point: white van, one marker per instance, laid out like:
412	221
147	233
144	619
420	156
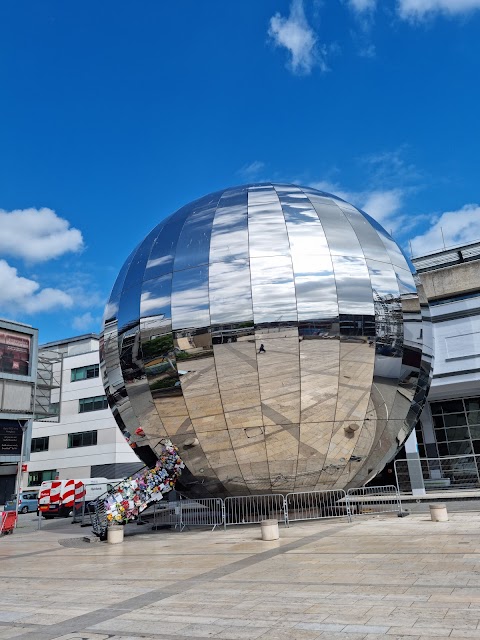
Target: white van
58	497
95	487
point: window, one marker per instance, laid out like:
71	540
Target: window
39	444
36	478
55	408
82	439
83	373
92	404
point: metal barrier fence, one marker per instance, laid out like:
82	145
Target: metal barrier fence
448	473
254	509
315	505
98	516
189	512
81	513
374	500
307	505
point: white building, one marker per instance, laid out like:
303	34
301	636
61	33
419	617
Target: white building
84	440
451	423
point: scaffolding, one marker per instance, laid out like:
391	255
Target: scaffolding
48	386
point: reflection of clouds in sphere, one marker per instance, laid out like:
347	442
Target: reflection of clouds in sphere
274	334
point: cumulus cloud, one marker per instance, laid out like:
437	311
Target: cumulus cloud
418	9
22	295
458	227
85	321
37	235
295	34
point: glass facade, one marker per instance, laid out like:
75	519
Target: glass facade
275	335
457	426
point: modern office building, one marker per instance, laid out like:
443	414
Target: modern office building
18	371
80	438
450	423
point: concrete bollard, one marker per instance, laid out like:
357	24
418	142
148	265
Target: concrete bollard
115	534
438	512
269	529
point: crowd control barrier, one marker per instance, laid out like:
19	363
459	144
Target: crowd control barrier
374	500
189	512
237	510
254	509
316	505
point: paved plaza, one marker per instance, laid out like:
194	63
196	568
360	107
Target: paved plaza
378	577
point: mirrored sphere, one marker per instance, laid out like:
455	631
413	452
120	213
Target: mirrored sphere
275	334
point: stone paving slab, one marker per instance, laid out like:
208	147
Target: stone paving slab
382	577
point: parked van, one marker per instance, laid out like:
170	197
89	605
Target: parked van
28	502
58	497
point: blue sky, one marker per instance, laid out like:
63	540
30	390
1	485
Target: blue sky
113	114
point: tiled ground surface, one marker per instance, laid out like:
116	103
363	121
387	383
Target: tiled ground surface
384	577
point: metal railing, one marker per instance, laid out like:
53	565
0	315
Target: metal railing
374	500
189	512
253	509
316	505
439	474
292	507
98	517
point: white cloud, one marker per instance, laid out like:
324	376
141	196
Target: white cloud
295	34
37	235
362	6
22	295
418	9
252	170
458	227
384	205
86	321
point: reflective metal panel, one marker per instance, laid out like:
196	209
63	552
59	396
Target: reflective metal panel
111	308
193	246
155	300
341	238
372	246
273	290
396	255
354	288
279	375
315	289
164	248
229	240
230	292
190	308
266	224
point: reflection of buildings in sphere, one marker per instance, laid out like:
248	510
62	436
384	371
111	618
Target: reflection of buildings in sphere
278	329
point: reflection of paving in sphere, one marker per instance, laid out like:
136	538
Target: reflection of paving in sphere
275	335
